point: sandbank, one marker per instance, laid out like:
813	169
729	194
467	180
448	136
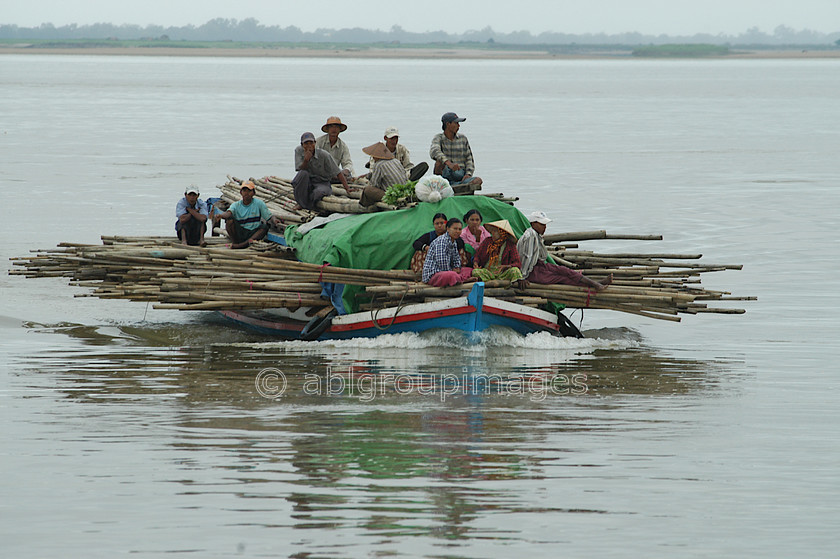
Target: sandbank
397	53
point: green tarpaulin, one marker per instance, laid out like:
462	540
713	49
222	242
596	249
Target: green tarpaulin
382	240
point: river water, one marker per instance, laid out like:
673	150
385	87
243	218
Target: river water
127	430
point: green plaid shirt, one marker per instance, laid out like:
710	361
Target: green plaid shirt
456	150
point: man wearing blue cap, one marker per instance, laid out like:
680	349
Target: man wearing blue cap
452	153
316	169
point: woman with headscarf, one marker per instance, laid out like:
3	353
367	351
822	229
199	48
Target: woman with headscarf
497	257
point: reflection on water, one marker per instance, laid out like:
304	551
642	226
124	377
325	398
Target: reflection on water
435	461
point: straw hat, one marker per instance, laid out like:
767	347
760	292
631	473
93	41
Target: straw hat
502	224
378	151
334	120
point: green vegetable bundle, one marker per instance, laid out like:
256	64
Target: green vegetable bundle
399	191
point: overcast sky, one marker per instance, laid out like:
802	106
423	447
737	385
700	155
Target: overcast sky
672	17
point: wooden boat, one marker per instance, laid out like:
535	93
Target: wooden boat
274	288
470	314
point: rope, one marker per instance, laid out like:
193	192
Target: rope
374	315
580	324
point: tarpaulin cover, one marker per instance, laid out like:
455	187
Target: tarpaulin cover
383	240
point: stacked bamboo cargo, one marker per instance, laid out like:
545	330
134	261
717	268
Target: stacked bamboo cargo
160	270
653	285
192	278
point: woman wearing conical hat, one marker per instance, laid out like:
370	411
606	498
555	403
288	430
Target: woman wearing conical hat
496	257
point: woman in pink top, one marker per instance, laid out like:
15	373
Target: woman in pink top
473	232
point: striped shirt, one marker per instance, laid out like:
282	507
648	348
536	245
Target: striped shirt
532	251
442	257
402	155
456	150
386	173
251	215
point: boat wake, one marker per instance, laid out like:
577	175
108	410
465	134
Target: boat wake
477	342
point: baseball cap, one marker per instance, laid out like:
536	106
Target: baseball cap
539	217
451	117
191	189
391	131
307	137
249	185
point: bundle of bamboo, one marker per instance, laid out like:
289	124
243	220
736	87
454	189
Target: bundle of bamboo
161	270
193	278
655	285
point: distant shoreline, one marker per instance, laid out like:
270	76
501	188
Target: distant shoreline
620	53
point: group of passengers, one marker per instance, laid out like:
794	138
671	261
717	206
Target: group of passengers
323	161
451	254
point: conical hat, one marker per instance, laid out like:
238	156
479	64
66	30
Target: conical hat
502	224
378	151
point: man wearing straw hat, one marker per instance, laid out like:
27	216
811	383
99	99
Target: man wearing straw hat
533	255
335	146
386	171
192	215
315	171
247	220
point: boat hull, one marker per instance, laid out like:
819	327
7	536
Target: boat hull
470	314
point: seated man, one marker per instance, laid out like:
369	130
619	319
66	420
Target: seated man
332	144
246	220
316	169
533	254
192	215
442	267
386	171
392	142
452	153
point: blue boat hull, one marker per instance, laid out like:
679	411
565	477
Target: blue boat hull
473	313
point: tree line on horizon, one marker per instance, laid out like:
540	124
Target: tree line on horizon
250	30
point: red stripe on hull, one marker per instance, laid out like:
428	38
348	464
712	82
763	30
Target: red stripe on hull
384	322
520	316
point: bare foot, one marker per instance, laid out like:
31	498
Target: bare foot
522	284
603	285
202	244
